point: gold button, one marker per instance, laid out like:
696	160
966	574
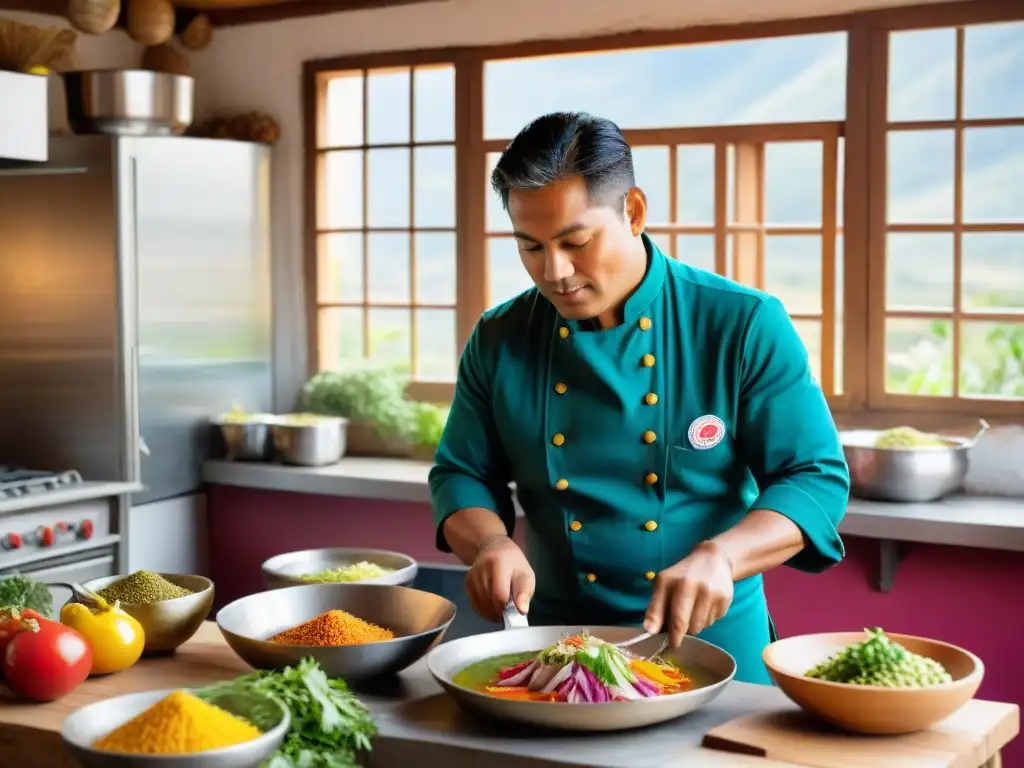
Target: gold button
650	575
560	388
562	484
647	361
591	577
650	525
645	323
558	439
649	437
563	332
651	478
575	525
650	398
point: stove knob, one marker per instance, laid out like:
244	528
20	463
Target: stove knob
11	541
45	536
85	529
62	527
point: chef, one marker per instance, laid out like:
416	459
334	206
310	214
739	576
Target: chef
666	438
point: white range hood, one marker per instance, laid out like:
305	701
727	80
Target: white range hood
23	117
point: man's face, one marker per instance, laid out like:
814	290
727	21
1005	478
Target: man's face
577	253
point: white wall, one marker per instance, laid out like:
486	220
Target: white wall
260	66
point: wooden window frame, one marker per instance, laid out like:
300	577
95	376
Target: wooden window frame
863	401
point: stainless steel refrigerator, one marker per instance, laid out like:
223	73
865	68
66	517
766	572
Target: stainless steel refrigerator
134	304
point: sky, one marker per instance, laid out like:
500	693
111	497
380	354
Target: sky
771	80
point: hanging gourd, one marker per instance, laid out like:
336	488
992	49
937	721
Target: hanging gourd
150	22
164	58
197	33
94	16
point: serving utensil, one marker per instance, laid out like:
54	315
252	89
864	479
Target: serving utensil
919	474
286	569
867	708
83	727
710	667
418	619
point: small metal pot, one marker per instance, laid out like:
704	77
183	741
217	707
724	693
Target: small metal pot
247	440
132	102
309	441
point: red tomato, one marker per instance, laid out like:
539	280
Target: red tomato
46	662
13	622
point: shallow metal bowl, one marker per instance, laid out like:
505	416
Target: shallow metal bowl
285	570
169	623
903	474
709	666
83	727
246	440
418	619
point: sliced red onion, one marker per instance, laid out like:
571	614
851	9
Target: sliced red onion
520	677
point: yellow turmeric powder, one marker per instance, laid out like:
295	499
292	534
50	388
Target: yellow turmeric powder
178	724
333	628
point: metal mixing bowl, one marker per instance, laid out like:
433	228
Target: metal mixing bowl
285	570
169	623
418	619
246	440
83	727
904	474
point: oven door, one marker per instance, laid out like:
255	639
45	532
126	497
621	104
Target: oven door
68	569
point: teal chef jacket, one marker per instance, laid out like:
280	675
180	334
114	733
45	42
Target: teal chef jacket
630	445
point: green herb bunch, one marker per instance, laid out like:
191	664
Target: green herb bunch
21	592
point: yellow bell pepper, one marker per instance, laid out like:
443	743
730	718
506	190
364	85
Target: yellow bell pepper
116	638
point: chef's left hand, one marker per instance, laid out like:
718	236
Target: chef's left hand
691	595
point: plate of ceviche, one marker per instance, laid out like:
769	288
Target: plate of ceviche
575	678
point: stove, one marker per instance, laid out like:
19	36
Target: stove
16	482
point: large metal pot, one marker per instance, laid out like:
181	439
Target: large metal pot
308	440
710	666
918	474
133	102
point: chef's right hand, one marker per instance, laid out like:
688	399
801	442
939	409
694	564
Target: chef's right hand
500	572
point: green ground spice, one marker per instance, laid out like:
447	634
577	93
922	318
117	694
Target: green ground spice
142	587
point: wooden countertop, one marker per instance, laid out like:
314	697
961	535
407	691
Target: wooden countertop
420	725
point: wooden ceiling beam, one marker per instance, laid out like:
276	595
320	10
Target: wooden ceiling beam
238	11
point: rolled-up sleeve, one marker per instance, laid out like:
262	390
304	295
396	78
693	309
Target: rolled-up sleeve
789	438
471	468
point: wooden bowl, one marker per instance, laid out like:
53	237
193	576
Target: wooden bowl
870	709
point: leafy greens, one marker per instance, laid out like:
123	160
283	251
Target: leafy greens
329	725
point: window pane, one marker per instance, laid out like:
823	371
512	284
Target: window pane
919	271
388	189
342	202
343	116
840	334
388	262
497	219
810	332
992	271
695	182
435	268
920	176
993	67
391	338
388	107
919	357
340	270
434	180
992	359
434	108
779	79
994	174
651	167
922	75
792	271
506	275
697	251
793	180
663	241
435	344
341	337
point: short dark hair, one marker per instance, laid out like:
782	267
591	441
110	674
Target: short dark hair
563	145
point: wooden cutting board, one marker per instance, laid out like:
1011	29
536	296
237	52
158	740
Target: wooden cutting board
967	739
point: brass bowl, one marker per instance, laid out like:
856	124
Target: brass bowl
169	623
